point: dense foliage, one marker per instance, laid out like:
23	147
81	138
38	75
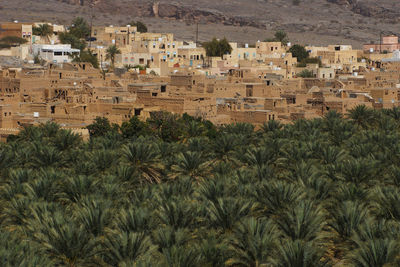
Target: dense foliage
279	36
78	32
305	74
9	41
217	48
141	27
43	30
177	191
299	52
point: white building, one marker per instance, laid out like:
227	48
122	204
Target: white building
60	53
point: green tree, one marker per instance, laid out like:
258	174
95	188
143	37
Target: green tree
112	51
217	48
8	41
299	52
75	42
100	127
281	36
141	27
253	243
80	28
87	56
43	30
305	74
134	128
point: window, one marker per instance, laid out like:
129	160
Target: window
163	88
53	109
153	94
58	53
141	60
137	111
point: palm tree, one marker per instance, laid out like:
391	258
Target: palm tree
43	30
49	129
212	189
299	253
259	156
226	212
145	158
46	156
44	186
103	159
225	147
387	202
65	140
74	188
10	252
64	241
190	163
214	251
376	253
331	155
177	214
133	220
95	215
253	243
126	248
376	244
112	51
179	256
393	112
271	126
304	221
277	196
358	171
362	115
195	128
167	237
346	217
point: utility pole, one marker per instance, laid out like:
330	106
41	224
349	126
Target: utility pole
197	33
101	66
91	25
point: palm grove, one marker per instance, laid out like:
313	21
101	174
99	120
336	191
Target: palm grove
179	191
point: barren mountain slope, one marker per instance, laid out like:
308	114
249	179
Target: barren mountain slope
312	21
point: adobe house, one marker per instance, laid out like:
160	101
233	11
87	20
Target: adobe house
17	29
387	44
242	87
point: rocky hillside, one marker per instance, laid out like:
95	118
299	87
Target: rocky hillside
308	21
388	10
